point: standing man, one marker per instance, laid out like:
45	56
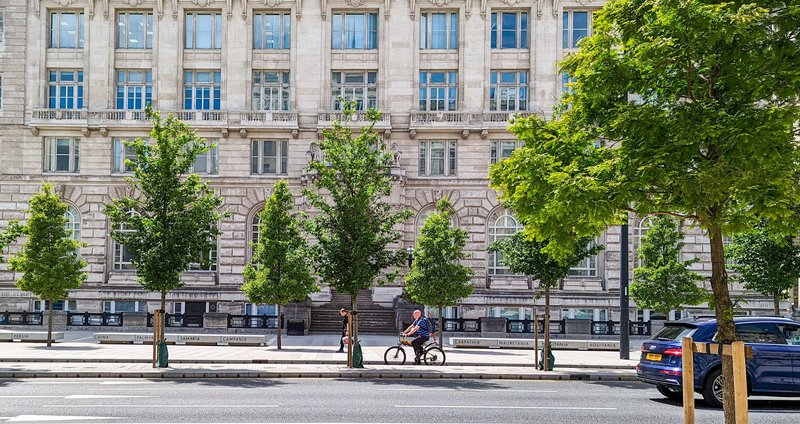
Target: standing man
422	328
343	314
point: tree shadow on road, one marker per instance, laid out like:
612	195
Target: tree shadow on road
244	383
430	383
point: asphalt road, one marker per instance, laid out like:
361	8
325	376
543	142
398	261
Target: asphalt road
364	401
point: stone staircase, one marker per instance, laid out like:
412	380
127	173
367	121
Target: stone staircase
372	319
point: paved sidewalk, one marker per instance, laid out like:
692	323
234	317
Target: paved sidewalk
302	350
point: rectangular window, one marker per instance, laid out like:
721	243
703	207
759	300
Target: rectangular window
202	90
510	30
502	149
354	31
585	268
65	89
61	154
270	90
123	258
270	157
66	30
437	158
358	86
2	33
207	162
576	24
117	306
508	90
272	31
1	92
438	30
122	154
203	30
565	81
438	90
134	88
59	305
206	261
134	30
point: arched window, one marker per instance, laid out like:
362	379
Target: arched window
501	225
425	213
638	233
73	224
255	220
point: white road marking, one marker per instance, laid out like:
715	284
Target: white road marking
105	397
562	408
30	397
440	389
159	406
40	418
120	383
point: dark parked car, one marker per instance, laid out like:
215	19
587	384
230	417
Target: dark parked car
774	369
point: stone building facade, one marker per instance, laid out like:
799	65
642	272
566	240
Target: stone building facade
260	79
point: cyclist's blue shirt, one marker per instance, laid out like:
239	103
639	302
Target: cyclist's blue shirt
424	327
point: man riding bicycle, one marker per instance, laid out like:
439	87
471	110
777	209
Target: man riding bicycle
423	329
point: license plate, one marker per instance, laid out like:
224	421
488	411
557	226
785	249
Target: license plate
653	357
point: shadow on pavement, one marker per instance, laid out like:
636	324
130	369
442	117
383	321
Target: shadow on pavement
222	382
632	385
771	406
430	384
7	381
56	347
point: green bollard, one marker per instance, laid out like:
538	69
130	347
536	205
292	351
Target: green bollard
551	359
358	357
163	355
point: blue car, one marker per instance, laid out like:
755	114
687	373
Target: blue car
774	369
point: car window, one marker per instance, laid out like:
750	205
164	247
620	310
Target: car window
674	332
791	333
760	332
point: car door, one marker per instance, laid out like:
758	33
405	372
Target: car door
791	332
771	365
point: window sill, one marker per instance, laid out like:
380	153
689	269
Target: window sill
56	173
268	176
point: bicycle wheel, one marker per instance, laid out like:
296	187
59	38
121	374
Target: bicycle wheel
433	356
394	356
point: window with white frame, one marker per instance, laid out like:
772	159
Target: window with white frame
124	156
639	232
118	306
272	31
438	90
58	305
566	80
2	30
202	90
426	212
576	25
270	157
61	154
207	162
260	309
501	225
271	90
66	30
1	91
254	232
65	89
438	158
502	149
134	88
509	30
508	90
73	224
585	268
360	87
354	31
203	30
123	257
205	261
134	30
438	30
511	312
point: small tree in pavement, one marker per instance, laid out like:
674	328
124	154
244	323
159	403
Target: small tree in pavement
529	257
49	260
173	216
663	282
437	277
766	264
280	271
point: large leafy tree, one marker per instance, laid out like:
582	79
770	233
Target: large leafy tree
280	271
524	255
437	277
766	264
696	102
355	225
173	216
49	260
664	282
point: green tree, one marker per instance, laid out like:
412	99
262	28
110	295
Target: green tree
280	271
49	260
663	282
355	225
529	257
766	264
8	236
437	277
173	217
696	102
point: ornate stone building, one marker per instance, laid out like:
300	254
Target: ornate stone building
261	79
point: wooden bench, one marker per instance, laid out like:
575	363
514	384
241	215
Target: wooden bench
188	339
501	343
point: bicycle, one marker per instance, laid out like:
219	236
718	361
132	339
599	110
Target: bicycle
431	353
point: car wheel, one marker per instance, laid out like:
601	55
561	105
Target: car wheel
670	393
712	390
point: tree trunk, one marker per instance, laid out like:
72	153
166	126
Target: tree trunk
723	310
441	327
162	322
49	322
777	299
546	347
280	327
353	336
